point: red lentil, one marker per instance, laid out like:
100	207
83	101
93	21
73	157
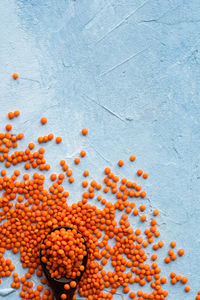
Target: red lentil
84	131
58	139
132	158
43	120
15	76
180	252
120	163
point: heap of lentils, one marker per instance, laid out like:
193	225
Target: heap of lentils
29	211
63	252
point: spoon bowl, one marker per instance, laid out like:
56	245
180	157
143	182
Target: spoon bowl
58	284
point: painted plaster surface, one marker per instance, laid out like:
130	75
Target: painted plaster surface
129	71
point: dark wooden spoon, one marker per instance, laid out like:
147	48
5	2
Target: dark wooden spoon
58	284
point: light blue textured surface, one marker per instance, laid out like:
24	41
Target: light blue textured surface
129	71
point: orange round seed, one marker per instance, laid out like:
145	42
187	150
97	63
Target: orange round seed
82	153
173	244
86	173
143	218
58	139
167	259
11	115
77	160
139	172
155	212
132	158
84	131
120	163
187	288
15	76
43	120
16	113
8	127
184	280
180	252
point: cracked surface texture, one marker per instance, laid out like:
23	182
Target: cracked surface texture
129	72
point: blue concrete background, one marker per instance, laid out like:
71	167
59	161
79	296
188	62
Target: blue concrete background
129	71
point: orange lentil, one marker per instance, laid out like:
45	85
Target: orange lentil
155	247
154	257
65	167
120	163
15	76
180	252
167	259
50	136
16	113
132	158
173	275
106	189
187	288
184	280
198	296
173	244
77	160
85	173
43	120
145	175
53	177
143	218
107	171
163	280
8	127
142	207
69	173
173	281
135	212
143	194
40	139
73	284
17	285
84	131
71	179
139	172
40	287
82	153
170	252
160	244
67	286
62	162
3	172
58	139
126	290
11	115
104	261
173	257
155	212
132	295
31	146
84	183
178	277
